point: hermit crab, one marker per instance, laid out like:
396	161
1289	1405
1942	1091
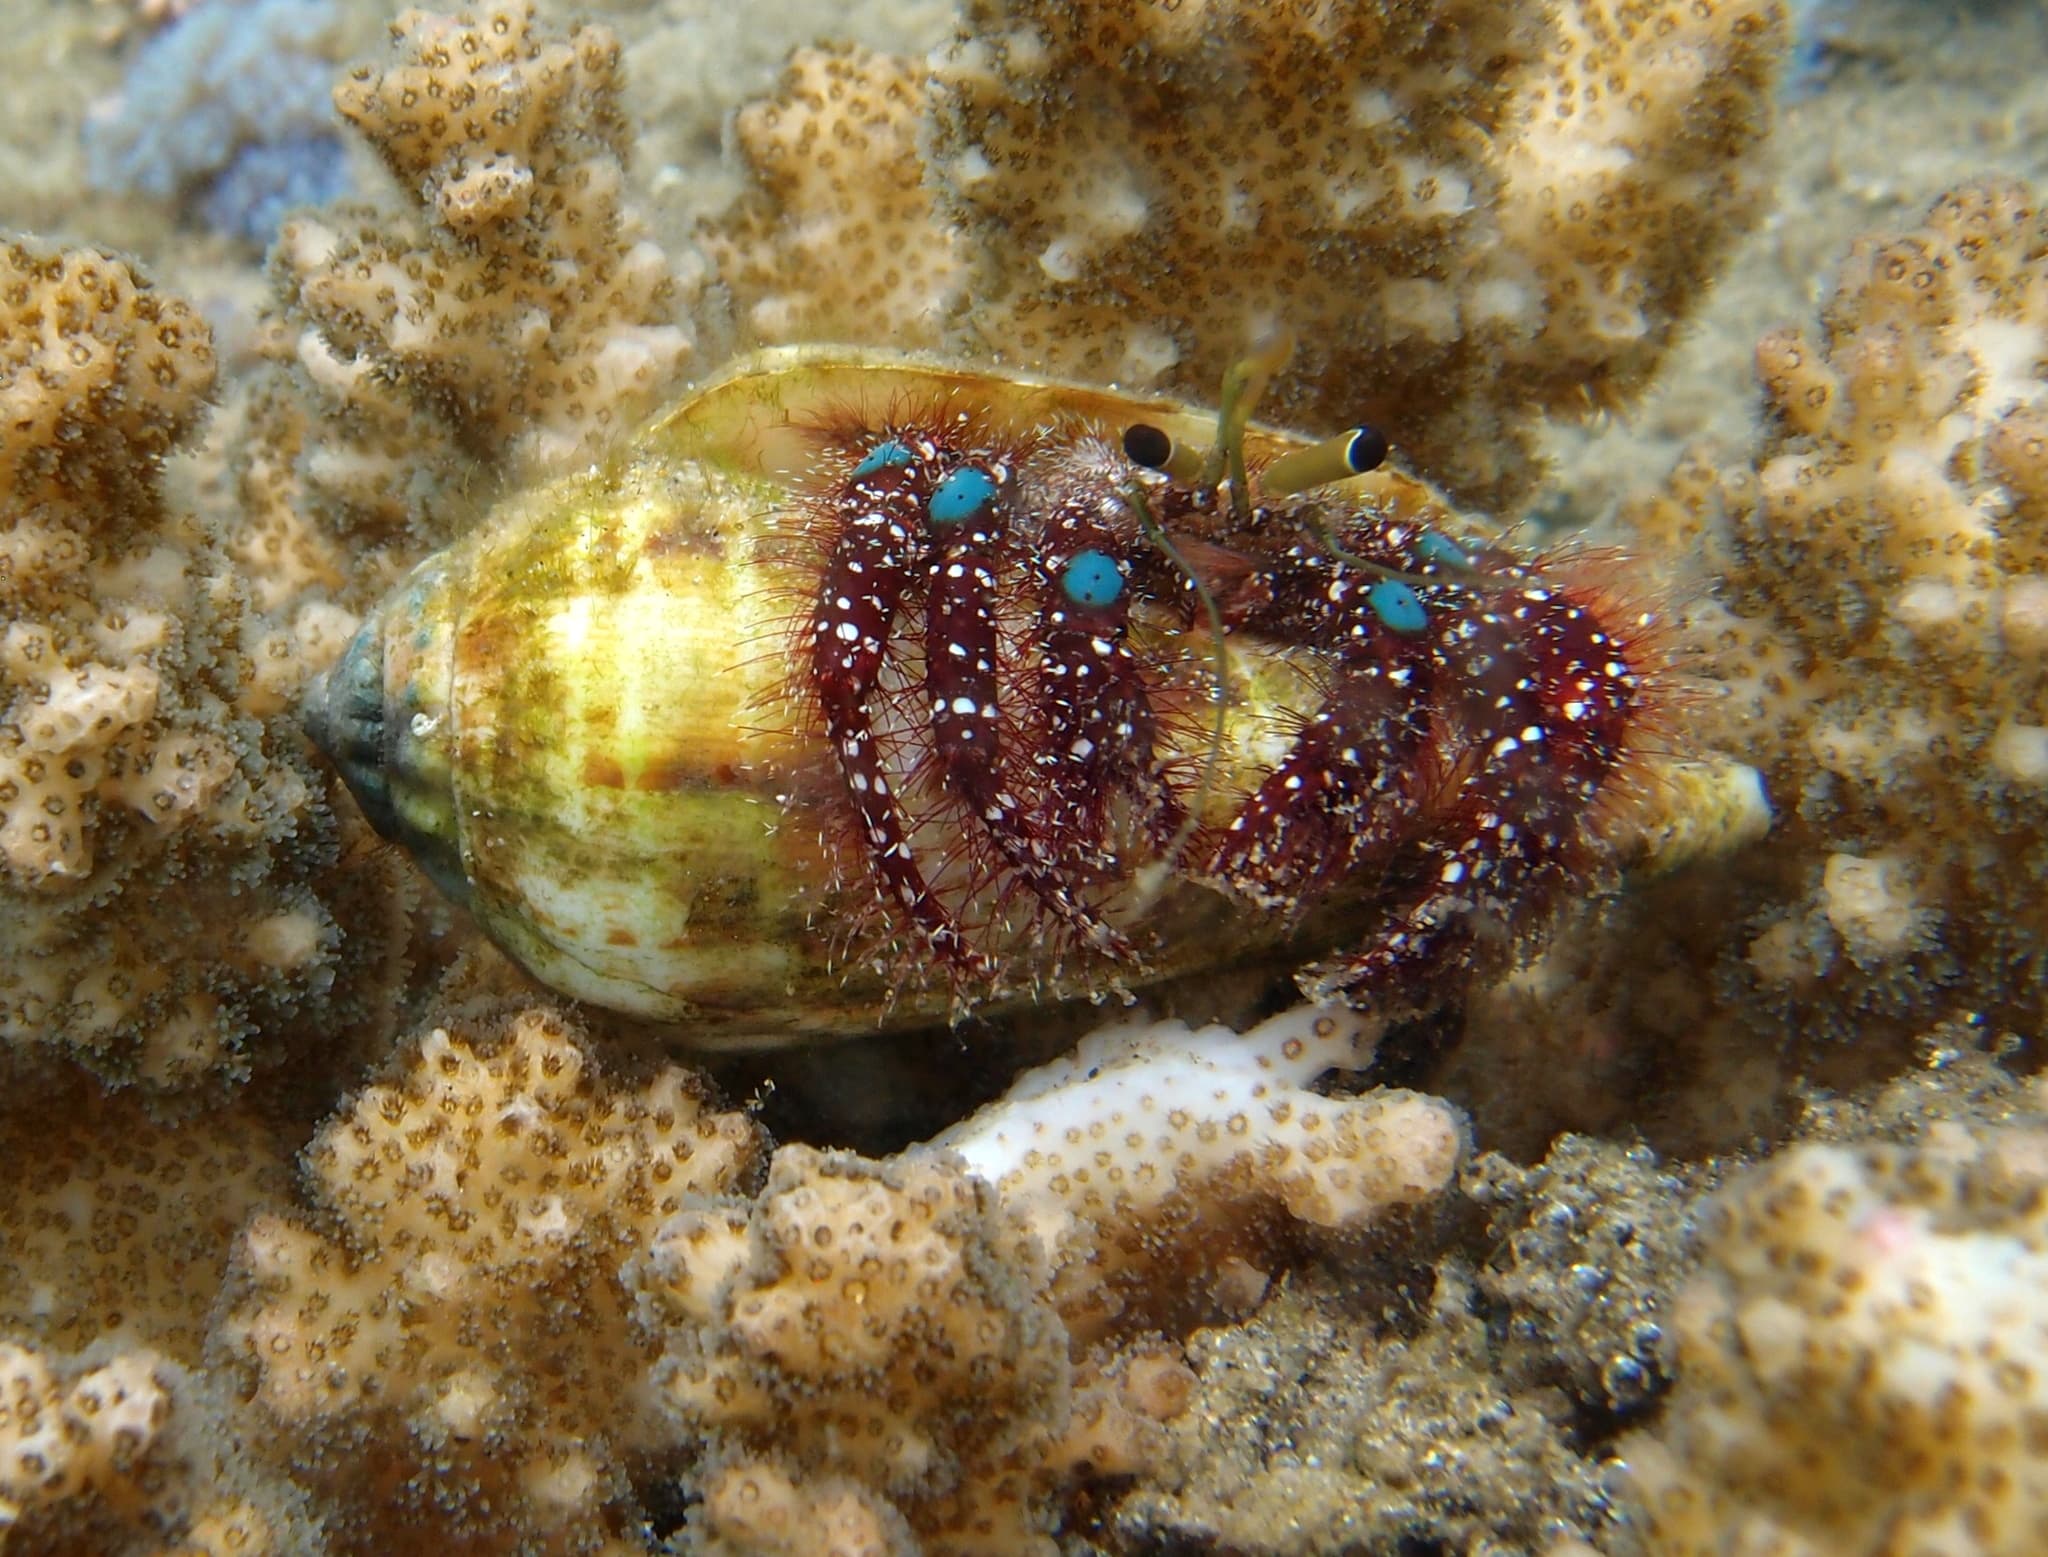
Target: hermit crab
858	689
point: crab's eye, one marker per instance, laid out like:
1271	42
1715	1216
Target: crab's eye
1397	606
960	495
1147	445
888	453
1092	579
1155	449
1348	454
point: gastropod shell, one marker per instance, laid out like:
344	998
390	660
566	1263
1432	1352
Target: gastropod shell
856	688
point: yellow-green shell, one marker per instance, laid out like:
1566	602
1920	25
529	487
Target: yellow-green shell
578	719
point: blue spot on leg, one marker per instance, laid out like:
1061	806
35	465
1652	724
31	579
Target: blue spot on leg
961	495
1442	550
1397	606
888	453
1092	579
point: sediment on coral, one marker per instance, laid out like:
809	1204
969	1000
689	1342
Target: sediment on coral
1366	1415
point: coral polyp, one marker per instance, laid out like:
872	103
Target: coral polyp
862	689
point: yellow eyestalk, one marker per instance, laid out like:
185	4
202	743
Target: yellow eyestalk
1349	454
1157	449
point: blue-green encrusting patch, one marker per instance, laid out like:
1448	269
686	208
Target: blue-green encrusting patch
960	495
883	456
1398	606
1441	549
1092	579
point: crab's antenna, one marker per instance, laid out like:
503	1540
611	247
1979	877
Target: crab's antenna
1243	385
1156	534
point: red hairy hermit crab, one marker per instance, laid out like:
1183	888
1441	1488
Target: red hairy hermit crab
857	689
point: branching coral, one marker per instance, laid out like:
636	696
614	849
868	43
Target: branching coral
122	1453
458	1301
513	317
869	1347
903	1348
1159	1167
1473	215
1885	627
837	239
526	1300
116	1227
60	1436
131	757
147	654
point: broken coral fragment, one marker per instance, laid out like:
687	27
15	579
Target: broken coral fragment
1153	1161
513	315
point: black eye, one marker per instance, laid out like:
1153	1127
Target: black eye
1147	445
1367	450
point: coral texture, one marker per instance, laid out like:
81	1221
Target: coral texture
869	1347
174	880
907	1346
1185	1291
1476	214
1859	1362
157	837
1157	1166
60	1435
458	1300
513	317
110	1451
836	239
1884	625
117	1227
